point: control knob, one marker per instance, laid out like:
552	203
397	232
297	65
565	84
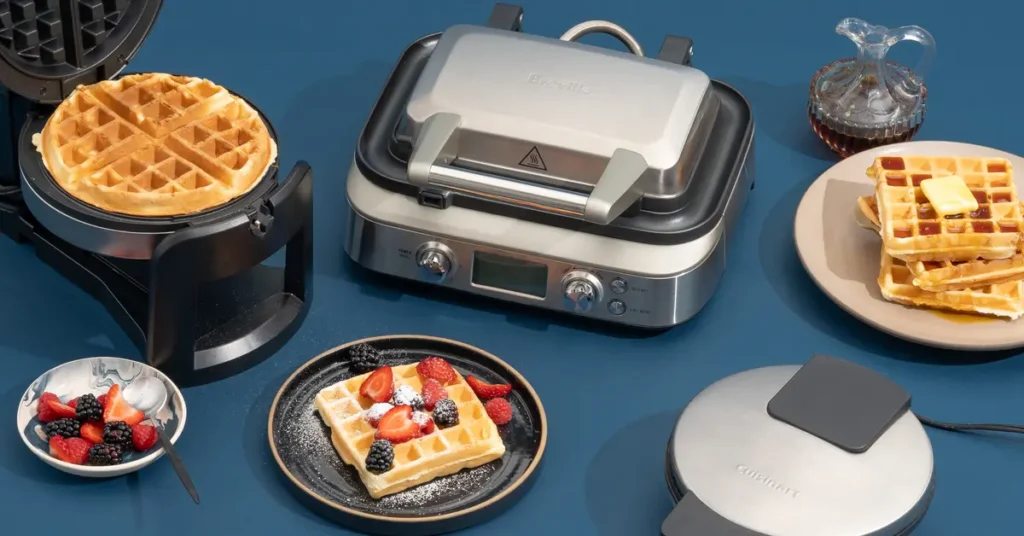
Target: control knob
580	290
434	261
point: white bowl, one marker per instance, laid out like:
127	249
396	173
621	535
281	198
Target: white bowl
96	375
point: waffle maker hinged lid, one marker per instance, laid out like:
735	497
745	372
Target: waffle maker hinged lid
827	448
556	125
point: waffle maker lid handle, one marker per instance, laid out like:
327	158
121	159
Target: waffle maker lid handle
42	61
692	517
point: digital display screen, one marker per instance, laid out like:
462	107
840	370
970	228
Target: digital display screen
513	275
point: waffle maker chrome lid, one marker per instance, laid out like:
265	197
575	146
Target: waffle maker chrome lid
829	448
561	133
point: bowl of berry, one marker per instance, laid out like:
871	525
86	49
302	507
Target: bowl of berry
76	417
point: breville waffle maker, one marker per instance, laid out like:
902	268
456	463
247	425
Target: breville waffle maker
826	448
551	173
190	291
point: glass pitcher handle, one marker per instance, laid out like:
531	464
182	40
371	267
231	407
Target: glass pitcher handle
927	42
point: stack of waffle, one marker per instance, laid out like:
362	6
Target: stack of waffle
967	263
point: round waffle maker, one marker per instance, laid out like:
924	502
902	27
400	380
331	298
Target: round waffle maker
826	448
553	174
191	291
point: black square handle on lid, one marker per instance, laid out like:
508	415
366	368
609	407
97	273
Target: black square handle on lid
237	243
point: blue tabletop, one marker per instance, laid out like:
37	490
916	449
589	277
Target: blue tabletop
610	396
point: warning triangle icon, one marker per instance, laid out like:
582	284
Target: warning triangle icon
533	160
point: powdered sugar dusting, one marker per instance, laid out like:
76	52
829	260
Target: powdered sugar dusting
420	418
405	396
454	486
377	411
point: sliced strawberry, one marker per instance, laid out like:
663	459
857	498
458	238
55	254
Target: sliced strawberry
397	425
423	419
432	392
73	404
379	386
116	409
437	369
92	432
72	450
487	390
45	413
51	410
499	410
143	437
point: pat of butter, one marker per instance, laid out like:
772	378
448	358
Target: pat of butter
949	195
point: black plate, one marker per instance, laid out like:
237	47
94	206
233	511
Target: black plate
301	445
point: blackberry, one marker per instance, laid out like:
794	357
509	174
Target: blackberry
365	358
446	413
88	409
407	396
119	434
381	457
104	454
63	427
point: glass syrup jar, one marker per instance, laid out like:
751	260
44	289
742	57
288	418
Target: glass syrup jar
868	101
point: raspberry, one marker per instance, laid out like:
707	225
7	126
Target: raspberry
499	410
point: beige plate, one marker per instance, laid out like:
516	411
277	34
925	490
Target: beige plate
843	258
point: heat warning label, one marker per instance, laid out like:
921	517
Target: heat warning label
533	160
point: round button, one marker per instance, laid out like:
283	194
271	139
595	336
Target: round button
616	307
434	264
580	290
619	286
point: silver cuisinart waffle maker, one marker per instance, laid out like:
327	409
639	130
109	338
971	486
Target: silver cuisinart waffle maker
829	448
552	173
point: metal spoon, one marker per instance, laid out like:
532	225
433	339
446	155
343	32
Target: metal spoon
149	395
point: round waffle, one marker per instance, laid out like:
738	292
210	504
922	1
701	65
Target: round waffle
155	145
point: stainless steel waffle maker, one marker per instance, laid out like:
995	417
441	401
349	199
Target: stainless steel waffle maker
552	173
192	292
826	448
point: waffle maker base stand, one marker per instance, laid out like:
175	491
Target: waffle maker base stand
191	292
829	447
616	273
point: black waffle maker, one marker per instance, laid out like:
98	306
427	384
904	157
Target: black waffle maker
192	292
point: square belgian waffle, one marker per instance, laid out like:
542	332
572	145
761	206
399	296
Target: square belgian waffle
912	231
896	282
472	442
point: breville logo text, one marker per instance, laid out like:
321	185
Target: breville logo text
562	85
766	481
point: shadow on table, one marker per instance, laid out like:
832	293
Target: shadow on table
626	489
785	273
261	460
781	113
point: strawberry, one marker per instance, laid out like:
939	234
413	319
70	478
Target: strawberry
72	450
428	427
437	369
52	409
486	390
499	410
73	404
102	399
46	414
116	409
432	392
397	425
379	386
92	432
143	437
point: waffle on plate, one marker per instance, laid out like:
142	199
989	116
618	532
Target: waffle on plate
155	145
361	425
968	262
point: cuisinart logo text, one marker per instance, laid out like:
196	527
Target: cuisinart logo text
569	86
766	481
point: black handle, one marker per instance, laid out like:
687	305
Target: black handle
229	246
678	50
691	517
506	17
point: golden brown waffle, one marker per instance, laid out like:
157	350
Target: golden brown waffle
1002	299
472	442
910	228
155	145
937	276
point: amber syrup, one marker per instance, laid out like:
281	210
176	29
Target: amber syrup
846	145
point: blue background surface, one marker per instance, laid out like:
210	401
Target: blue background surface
610	397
